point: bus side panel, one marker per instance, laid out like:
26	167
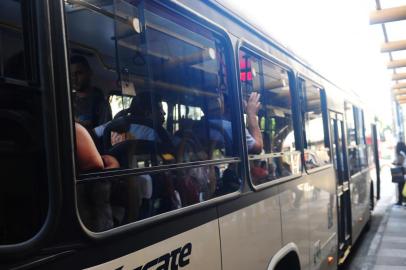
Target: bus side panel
252	235
360	197
198	248
295	218
321	196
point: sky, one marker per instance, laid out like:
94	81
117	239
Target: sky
335	37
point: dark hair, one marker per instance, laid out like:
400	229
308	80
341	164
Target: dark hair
143	103
79	59
400	147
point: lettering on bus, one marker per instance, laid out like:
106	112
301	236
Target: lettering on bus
177	258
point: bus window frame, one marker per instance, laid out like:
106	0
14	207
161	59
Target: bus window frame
191	16
258	52
41	33
357	111
363	143
325	118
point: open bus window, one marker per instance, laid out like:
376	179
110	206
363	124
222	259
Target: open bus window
165	82
24	193
316	153
278	158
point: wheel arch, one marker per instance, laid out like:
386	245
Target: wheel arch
286	258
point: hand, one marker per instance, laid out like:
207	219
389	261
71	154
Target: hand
253	104
110	162
251	109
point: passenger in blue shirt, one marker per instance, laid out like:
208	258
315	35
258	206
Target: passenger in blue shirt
221	127
144	120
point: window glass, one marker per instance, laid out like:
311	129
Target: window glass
353	157
357	148
350	122
360	129
362	146
153	90
119	103
268	118
369	142
316	152
23	194
94	81
354	160
121	200
11	41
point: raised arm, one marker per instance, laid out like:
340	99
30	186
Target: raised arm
252	108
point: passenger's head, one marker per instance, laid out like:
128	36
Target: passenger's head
400	147
143	105
81	73
215	105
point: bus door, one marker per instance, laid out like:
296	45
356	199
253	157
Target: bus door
343	190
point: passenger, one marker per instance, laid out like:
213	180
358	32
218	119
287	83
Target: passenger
93	198
253	136
91	109
147	119
216	117
400	161
259	172
144	122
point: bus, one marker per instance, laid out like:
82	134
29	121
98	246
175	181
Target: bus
172	135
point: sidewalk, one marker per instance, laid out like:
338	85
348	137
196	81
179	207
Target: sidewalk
387	249
391	253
